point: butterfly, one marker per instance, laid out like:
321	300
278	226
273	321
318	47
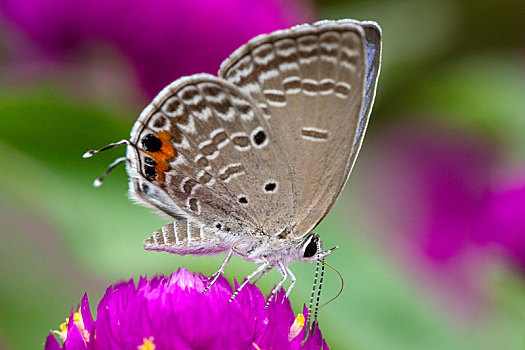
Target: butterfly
250	161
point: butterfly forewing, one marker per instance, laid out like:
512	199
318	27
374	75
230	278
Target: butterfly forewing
309	81
216	157
373	65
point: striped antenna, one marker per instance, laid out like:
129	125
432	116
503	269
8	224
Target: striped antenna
98	182
91	153
306	322
314	321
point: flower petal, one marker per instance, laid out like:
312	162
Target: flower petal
86	313
74	340
173	313
278	320
52	343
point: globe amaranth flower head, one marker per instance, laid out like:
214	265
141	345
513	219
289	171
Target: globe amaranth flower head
173	313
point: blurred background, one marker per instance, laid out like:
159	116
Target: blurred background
431	225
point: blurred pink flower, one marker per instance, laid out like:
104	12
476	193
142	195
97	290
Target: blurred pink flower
455	213
163	39
502	222
454	171
448	213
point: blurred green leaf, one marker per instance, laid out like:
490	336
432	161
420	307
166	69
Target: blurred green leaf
412	30
483	94
49	125
507	303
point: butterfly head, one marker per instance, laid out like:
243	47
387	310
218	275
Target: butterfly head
312	248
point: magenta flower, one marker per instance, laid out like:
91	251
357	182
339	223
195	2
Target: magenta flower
164	39
436	182
452	172
173	313
462	208
503	221
449	208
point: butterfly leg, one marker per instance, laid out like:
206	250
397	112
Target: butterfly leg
264	272
250	277
239	252
284	272
292	277
243	254
216	275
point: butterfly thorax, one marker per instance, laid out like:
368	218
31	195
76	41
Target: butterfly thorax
271	249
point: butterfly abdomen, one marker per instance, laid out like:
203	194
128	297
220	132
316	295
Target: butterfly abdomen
185	237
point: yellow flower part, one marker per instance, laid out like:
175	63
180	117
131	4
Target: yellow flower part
62	333
79	323
296	327
147	344
77	317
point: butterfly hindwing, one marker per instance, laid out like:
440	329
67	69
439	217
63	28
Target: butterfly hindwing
213	155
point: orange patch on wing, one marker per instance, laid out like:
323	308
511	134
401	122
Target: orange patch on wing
161	157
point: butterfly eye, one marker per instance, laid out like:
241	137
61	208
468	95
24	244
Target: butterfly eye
311	248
